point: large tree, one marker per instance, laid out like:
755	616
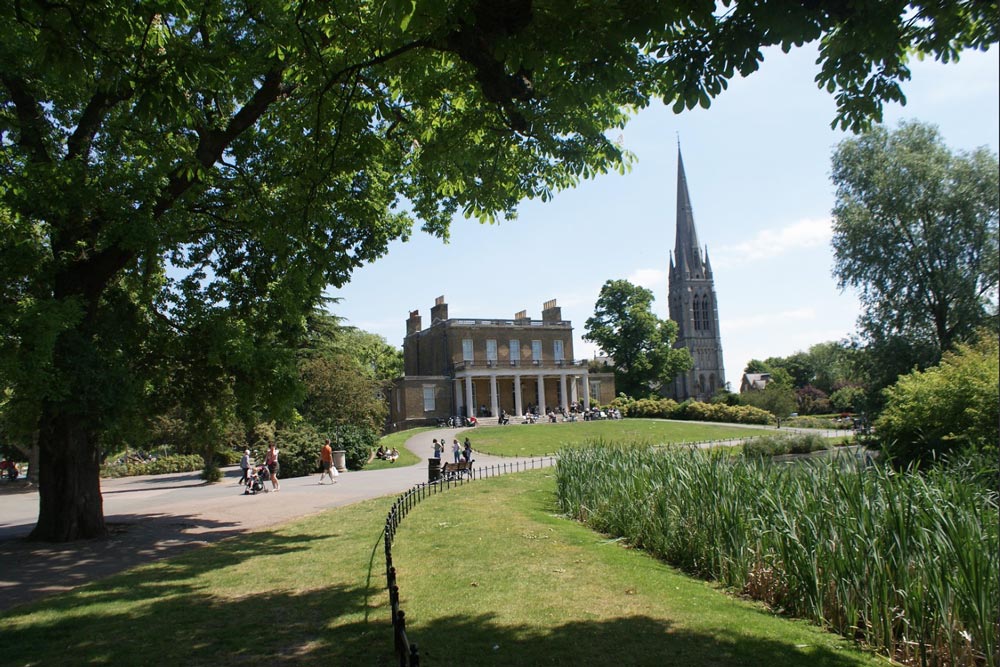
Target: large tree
916	232
625	327
262	151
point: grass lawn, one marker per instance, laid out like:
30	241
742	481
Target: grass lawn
488	573
540	439
398	440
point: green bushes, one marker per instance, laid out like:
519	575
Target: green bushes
775	445
665	408
161	466
905	562
950	408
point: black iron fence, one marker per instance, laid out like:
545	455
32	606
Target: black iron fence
406	651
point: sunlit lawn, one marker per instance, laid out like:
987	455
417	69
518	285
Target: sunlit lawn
539	439
489	575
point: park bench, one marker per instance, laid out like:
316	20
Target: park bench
453	471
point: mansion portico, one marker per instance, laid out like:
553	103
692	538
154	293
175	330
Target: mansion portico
471	367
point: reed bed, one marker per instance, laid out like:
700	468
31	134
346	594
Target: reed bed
906	563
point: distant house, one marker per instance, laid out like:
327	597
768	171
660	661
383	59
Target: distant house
754	382
480	367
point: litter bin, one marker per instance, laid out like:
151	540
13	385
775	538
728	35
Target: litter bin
340	460
433	470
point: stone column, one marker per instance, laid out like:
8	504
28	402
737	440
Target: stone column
586	392
517	396
459	398
470	410
541	394
562	393
494	407
573	394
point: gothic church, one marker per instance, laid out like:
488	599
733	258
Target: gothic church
692	304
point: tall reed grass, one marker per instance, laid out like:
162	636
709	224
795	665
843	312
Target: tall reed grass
906	563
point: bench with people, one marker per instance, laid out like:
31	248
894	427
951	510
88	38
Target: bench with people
453	471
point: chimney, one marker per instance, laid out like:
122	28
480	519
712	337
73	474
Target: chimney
439	313
521	317
551	312
413	323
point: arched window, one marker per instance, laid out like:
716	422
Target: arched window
706	317
696	308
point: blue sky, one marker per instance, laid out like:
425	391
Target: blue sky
757	165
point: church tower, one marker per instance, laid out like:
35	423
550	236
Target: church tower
692	304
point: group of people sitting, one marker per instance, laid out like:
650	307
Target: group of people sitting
389	455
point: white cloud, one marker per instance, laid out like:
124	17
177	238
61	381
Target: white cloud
771	243
653	279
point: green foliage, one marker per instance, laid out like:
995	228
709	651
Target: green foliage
947	408
776	398
161	466
339	392
262	156
298	449
853	549
774	445
211	472
640	343
847	398
357	443
916	233
666	408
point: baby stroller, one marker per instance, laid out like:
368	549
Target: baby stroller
255	480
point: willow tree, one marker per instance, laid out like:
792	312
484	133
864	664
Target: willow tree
262	151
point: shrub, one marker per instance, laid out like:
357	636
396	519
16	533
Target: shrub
357	443
298	449
211	472
945	409
161	466
775	445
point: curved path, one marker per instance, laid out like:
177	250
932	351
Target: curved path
161	515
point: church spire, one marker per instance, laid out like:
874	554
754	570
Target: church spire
686	250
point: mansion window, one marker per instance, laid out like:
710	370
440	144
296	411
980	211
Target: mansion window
429	398
491	351
557	350
515	350
466	349
536	350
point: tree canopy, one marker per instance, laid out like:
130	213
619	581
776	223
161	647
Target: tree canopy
181	179
641	344
916	232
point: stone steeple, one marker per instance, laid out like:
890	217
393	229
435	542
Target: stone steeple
693	304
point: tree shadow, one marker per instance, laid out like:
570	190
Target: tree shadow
32	570
633	641
184	625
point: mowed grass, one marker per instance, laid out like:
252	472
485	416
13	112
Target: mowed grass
295	595
398	440
489	575
544	438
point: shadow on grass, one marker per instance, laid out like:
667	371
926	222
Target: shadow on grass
632	641
178	624
32	570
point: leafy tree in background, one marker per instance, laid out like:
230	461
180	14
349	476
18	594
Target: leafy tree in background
916	232
778	398
264	151
641	344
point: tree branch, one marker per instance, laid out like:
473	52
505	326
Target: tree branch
30	118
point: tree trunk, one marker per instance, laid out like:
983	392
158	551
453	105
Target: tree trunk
70	505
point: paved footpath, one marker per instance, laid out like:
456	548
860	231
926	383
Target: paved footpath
162	515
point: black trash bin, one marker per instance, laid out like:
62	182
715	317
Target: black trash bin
433	470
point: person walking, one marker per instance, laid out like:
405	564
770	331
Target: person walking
326	462
456	450
271	461
468	450
437	449
245	466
